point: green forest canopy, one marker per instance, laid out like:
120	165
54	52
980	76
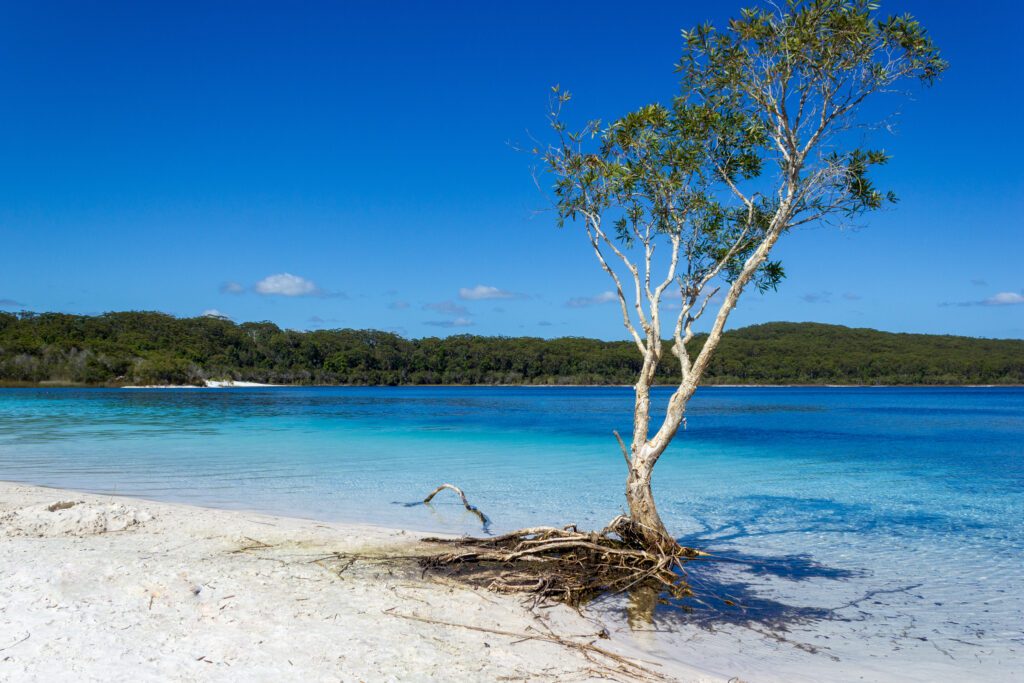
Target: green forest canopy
154	348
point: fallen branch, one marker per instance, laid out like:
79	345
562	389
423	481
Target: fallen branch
465	502
625	665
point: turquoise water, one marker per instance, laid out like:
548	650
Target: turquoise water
880	529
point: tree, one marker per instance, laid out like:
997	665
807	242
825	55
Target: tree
684	202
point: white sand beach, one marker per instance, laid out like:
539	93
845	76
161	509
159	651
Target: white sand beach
98	588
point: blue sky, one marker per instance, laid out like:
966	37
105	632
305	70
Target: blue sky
348	165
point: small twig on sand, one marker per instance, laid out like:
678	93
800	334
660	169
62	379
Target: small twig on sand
465	502
625	666
256	545
17	642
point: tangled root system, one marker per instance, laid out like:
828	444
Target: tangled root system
565	564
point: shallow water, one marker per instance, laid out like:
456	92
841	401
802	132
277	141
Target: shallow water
870	533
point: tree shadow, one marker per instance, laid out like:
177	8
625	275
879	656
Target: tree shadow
726	591
817	515
722	597
729	588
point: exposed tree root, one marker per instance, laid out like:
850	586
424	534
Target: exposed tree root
566	564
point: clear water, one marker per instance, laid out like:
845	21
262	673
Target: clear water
871	534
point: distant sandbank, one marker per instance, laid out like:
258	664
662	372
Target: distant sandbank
210	384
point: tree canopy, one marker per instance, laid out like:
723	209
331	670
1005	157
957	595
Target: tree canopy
154	348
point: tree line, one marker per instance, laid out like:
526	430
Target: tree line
122	348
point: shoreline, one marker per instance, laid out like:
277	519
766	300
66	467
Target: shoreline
100	587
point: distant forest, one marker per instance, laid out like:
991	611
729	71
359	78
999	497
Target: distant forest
153	348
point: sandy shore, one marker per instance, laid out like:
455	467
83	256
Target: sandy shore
118	589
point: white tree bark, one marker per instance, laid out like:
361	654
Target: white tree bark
646	449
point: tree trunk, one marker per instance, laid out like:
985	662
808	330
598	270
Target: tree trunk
643	513
647	529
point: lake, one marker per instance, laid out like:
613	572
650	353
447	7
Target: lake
864	533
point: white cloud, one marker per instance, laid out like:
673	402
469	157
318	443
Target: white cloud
286	284
485	292
231	288
214	313
999	299
585	301
1004	299
10	303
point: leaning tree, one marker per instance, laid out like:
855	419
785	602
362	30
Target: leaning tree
683	203
765	136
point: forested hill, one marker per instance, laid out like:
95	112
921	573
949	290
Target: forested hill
154	348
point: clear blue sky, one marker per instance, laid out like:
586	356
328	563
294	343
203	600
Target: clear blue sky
174	156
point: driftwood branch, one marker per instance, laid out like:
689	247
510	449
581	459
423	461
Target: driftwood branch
465	502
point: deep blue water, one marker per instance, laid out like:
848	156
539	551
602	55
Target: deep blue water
823	495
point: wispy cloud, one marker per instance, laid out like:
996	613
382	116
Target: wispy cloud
398	305
10	303
585	301
817	297
978	282
825	297
232	288
486	292
457	322
998	299
447	308
672	300
318	321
